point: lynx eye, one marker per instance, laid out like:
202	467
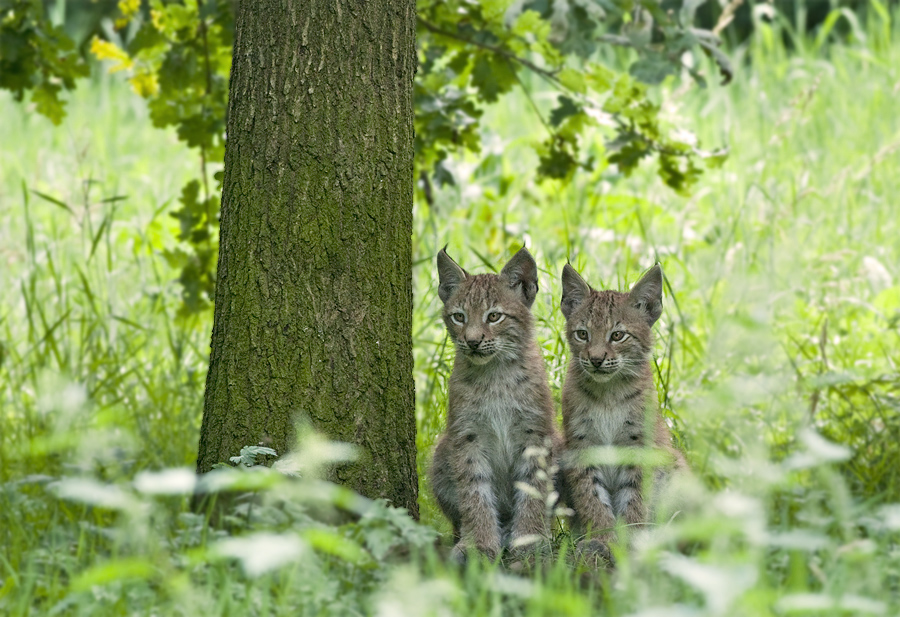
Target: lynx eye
494	316
581	335
458	318
617	336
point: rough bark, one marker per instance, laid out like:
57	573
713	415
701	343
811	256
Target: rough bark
313	307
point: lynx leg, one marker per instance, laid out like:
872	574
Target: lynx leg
591	502
472	475
530	517
630	499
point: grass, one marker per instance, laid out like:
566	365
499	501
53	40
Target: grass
777	363
87	299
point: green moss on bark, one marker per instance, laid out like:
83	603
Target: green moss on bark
314	292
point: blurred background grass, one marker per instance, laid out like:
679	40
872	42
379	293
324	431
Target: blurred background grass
777	356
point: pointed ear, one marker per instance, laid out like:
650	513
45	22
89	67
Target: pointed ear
646	295
574	290
521	273
450	275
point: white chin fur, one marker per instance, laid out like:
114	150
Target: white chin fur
480	360
602	377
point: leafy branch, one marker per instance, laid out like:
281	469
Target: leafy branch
469	35
177	55
550	75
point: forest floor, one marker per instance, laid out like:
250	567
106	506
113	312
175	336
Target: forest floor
777	359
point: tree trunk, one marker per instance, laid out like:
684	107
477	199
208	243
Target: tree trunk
313	311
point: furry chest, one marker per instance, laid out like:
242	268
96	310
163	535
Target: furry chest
498	416
497	421
604	426
612	477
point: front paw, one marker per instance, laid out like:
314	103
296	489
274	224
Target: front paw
460	552
595	552
529	545
528	553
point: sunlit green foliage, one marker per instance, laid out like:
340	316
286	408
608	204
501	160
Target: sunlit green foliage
177	55
36	56
474	53
777	360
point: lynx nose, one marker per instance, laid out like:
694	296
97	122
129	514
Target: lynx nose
473	343
598	362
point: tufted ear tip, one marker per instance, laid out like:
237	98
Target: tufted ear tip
574	290
646	295
450	275
522	254
521	272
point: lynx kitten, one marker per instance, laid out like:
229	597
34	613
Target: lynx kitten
609	400
500	405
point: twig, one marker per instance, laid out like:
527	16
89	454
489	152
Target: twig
203	170
551	75
727	16
823	341
531	100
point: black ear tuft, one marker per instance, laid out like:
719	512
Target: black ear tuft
521	272
450	275
646	295
574	290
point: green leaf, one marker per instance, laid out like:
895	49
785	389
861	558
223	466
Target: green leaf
530	25
147	37
332	543
715	158
720	58
443	176
652	69
600	78
46	100
248	455
54	201
573	80
567	107
557	161
492	76
111	571
689	9
191	212
679	173
574	26
627	158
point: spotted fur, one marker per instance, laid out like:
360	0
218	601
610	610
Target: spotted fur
609	400
499	405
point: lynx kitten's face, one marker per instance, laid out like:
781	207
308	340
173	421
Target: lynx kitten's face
487	315
607	337
609	332
483	321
